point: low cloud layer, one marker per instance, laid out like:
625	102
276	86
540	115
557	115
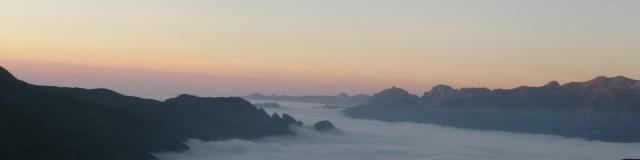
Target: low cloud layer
375	140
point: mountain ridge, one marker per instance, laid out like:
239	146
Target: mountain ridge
603	108
48	122
597	89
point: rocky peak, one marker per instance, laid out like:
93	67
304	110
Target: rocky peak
618	82
440	91
393	95
552	84
290	120
276	116
394	91
6	75
324	126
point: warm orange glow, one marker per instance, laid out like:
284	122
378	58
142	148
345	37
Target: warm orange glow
415	44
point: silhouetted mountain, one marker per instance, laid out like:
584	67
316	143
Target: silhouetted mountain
42	122
601	109
393	96
268	105
324	126
5	76
341	99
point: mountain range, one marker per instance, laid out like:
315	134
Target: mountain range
340	99
604	108
46	122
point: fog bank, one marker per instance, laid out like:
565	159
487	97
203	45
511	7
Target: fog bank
376	140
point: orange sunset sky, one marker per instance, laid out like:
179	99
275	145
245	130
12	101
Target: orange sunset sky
161	48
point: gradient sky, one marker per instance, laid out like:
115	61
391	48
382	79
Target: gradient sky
160	48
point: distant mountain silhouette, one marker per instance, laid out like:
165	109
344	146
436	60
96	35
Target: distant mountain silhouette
324	126
340	99
603	94
326	106
269	105
43	122
605	108
394	96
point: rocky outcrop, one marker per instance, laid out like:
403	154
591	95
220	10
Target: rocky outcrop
440	91
324	126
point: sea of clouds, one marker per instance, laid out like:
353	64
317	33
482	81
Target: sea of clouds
376	140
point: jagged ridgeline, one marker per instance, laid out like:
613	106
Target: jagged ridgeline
605	108
43	122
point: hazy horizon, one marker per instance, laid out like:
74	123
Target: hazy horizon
158	49
141	83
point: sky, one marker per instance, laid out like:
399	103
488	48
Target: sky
161	48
